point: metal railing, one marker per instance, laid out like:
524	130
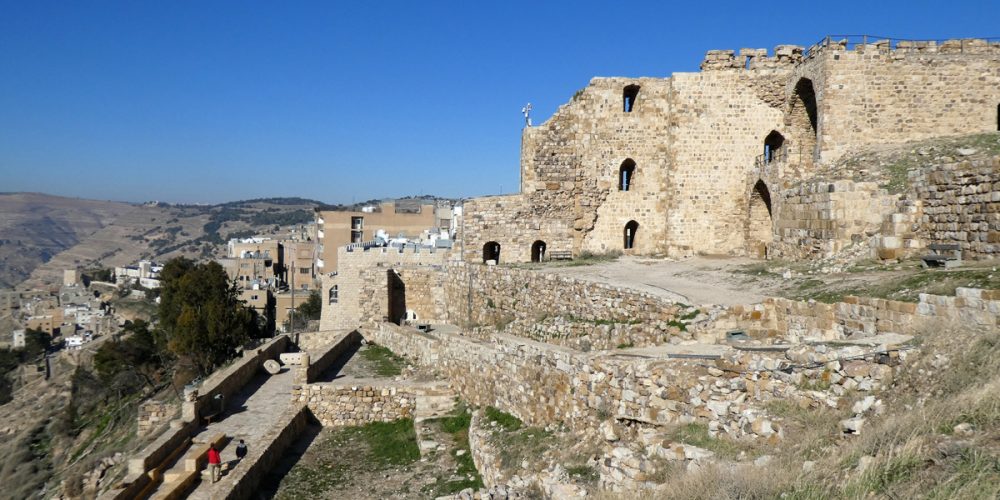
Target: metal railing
774	156
973	45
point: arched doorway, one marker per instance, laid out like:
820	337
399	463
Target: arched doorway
538	251
760	222
491	251
625	174
773	147
803	118
630	230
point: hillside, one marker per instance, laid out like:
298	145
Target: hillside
42	235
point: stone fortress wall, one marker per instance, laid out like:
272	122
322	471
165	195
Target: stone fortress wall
700	184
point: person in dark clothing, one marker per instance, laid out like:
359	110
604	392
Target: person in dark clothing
241	450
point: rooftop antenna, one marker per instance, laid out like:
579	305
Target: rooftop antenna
526	111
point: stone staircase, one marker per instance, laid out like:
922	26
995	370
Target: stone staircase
898	237
181	477
433	401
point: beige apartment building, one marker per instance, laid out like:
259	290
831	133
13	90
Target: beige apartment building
299	260
335	228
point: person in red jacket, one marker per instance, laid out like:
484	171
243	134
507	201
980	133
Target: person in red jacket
215	462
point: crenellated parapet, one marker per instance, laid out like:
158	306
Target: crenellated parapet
784	56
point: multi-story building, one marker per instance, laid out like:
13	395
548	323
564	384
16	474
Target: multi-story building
337	228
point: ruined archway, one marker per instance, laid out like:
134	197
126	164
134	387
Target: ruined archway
803	118
630	231
625	174
538	251
491	251
760	222
774	147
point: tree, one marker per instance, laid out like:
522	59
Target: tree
132	363
308	310
201	314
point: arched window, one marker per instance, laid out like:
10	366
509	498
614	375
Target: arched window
630	229
625	173
629	95
772	146
334	295
491	251
538	251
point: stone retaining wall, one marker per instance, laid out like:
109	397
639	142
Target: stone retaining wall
543	384
961	205
153	414
321	358
358	402
561	310
793	320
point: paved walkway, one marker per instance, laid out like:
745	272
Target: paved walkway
252	412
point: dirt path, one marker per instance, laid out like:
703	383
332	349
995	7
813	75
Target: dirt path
698	280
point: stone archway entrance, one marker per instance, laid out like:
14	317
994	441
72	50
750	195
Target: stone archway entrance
630	229
538	251
803	117
491	251
760	225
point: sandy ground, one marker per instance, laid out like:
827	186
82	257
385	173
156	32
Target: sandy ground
698	280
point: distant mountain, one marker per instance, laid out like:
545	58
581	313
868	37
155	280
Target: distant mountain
41	235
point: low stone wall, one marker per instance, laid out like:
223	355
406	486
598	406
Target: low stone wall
358	402
793	320
562	310
321	358
543	384
961	205
233	378
242	482
153	414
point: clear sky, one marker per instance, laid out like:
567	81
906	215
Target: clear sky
208	101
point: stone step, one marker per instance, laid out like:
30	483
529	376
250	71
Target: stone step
434	406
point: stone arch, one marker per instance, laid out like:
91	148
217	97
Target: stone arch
631	228
629	94
804	120
491	251
773	146
625	174
760	221
397	297
538	251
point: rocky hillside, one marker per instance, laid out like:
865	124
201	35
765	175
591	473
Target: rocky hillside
41	235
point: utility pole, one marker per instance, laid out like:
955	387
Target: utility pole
291	320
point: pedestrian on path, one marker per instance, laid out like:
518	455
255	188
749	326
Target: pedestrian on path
215	463
241	450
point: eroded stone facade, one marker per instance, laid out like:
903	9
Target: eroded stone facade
699	177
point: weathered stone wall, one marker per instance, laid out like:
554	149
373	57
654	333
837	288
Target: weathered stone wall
961	205
320	359
873	95
543	384
562	310
696	138
820	218
363	283
153	414
543	306
795	321
358	402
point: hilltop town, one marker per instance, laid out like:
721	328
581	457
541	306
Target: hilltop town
776	275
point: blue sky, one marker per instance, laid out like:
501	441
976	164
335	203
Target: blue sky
206	101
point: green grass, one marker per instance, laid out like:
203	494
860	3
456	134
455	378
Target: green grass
583	473
506	421
383	361
696	434
626	345
457	424
341	452
392	443
905	287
